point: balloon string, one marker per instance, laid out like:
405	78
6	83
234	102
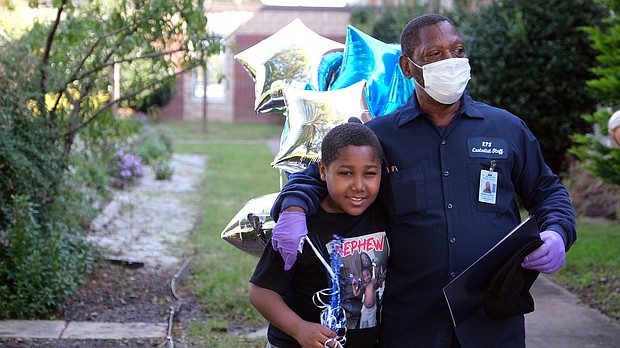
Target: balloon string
332	314
318	254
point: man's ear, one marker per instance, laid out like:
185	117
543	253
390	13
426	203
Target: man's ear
405	66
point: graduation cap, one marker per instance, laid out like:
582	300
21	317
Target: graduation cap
508	292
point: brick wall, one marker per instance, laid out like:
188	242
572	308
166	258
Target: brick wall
175	109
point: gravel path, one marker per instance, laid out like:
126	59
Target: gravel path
149	222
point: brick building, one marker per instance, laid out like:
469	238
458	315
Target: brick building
243	26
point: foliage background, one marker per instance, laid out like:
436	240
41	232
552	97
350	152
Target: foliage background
533	59
59	133
598	157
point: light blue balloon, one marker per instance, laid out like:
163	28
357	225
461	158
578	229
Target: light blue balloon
366	58
329	68
400	90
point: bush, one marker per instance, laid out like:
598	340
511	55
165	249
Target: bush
386	25
40	265
153	144
163	170
533	59
30	161
599	159
155	149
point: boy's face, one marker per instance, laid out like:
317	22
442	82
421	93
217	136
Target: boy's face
352	179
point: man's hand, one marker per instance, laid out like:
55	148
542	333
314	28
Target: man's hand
287	236
550	256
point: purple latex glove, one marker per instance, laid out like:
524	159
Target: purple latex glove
287	236
550	256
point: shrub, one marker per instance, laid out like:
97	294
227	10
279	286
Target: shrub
533	59
152	148
386	25
40	265
599	159
163	170
155	149
30	161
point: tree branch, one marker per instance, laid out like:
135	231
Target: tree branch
76	127
48	45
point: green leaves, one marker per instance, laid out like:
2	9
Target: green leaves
56	108
151	42
600	160
533	59
39	265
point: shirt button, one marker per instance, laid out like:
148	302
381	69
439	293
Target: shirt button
446	173
443	142
452	240
449	205
452	274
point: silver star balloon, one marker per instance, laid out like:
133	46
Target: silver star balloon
288	58
310	115
250	229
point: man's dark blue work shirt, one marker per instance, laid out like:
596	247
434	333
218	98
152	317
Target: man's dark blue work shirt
431	191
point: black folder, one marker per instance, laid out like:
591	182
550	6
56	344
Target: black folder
464	293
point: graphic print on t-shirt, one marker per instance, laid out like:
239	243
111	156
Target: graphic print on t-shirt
364	265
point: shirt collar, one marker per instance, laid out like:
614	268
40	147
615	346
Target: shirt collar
411	110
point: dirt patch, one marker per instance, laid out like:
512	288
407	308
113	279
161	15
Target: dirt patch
591	197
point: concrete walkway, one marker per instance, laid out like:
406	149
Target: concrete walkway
560	320
80	330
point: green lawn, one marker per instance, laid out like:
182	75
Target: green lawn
592	268
238	169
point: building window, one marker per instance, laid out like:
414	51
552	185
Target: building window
216	83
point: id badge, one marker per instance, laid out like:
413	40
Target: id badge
487	191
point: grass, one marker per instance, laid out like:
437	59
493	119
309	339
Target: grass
238	169
222	131
593	265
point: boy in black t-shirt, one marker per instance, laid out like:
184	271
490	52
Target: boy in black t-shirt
351	167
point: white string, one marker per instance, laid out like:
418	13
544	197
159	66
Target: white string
318	254
329	315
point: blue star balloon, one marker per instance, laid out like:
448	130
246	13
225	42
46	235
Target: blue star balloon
376	62
329	68
401	88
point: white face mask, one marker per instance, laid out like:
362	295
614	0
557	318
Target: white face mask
445	80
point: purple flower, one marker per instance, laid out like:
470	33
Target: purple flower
129	165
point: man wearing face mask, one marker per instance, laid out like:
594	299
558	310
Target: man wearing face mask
440	149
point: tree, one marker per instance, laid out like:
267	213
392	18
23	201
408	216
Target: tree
533	59
55	97
76	52
600	160
387	24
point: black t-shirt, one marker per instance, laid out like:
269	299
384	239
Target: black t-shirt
364	237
